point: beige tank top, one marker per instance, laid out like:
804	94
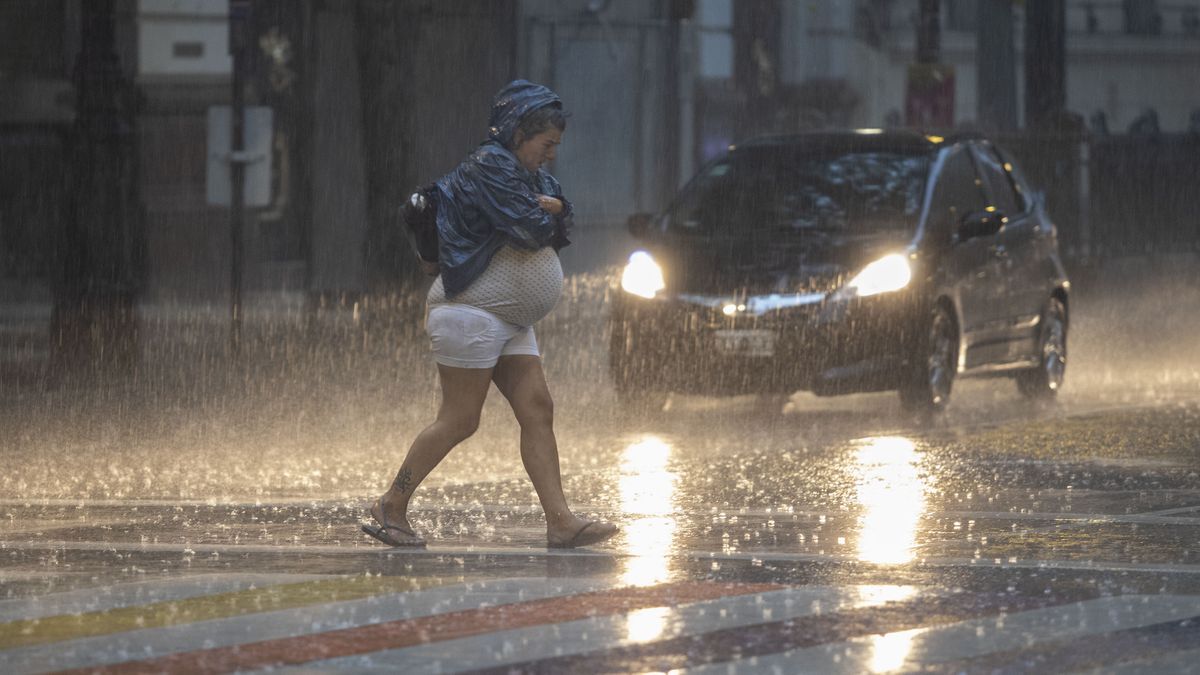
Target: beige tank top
518	286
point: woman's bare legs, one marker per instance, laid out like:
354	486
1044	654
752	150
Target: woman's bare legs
523	383
463	393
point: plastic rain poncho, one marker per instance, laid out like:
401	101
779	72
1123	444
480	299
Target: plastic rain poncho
490	199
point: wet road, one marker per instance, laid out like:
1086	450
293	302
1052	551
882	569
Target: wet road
149	530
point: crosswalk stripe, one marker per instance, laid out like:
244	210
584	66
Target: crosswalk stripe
653	624
95	652
377	636
725	643
1103	649
26	632
102	598
967	639
1175	662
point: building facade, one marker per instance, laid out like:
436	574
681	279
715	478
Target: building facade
373	97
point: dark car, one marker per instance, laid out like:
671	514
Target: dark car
845	262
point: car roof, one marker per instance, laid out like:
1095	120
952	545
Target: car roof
861	140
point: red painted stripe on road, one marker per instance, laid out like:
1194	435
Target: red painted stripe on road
437	628
744	642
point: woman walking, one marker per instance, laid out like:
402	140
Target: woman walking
501	220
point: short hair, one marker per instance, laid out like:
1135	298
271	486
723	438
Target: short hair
541	119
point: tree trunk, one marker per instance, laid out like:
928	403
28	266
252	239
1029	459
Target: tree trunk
100	245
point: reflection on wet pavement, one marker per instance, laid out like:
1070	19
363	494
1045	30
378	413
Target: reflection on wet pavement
891	494
647	501
215	528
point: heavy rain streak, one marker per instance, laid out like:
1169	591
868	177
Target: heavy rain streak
321	401
877	347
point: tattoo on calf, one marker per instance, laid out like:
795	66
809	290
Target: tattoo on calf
403	480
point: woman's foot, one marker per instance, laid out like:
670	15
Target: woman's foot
580	532
393	531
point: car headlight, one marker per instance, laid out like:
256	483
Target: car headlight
889	273
642	276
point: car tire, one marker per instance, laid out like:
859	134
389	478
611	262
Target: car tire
1043	382
927	386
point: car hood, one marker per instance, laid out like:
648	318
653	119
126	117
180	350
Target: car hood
818	263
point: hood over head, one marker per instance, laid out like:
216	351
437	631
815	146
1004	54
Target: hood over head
517	99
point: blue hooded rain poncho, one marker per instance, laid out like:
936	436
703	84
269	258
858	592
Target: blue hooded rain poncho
490	199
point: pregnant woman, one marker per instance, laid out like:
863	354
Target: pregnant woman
501	220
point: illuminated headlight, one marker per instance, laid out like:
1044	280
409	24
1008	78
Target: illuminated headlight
642	276
889	273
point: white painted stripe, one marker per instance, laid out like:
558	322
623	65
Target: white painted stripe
101	598
607	511
154	642
609	631
967	639
1060	518
1074	518
526	552
1187	661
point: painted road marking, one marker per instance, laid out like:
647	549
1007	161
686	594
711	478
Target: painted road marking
1104	649
1176	662
102	598
146	643
526	552
552	625
153	614
648	625
967	639
392	634
729	643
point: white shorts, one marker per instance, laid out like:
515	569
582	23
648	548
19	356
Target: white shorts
469	337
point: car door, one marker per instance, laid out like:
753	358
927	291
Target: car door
970	268
1015	255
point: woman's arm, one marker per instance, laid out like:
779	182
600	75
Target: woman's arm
565	216
509	204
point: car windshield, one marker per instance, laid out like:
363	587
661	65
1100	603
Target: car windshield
776	192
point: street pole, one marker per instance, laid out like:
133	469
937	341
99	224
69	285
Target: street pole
929	31
996	65
94	321
929	90
1045	63
239	11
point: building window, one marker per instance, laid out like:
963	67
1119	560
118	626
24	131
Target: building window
962	15
715	24
1142	17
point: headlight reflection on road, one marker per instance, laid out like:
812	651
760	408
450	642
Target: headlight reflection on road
890	651
646	625
647	490
892	497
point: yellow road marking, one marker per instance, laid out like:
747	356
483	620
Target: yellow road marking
28	632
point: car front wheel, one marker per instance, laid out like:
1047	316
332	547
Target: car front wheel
931	377
1044	381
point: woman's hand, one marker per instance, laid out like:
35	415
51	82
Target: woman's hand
550	204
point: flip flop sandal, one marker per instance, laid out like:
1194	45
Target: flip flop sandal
586	536
380	532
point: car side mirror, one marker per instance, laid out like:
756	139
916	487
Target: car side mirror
980	224
639	224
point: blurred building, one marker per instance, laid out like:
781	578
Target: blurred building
372	97
845	63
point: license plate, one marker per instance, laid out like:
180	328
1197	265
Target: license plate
745	342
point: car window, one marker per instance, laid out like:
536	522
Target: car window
1020	185
782	192
958	192
999	185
